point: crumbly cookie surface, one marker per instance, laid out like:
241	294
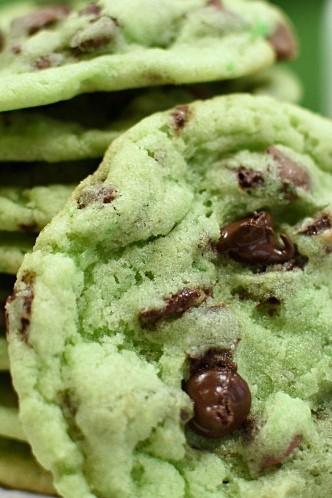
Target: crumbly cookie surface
170	335
56	52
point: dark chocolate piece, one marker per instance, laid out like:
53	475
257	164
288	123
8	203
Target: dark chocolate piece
96	35
318	226
180	116
249	179
39	19
221	397
254	242
96	194
283	43
174	307
289	170
272	460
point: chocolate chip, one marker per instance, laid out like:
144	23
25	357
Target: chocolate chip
174	307
39	19
254	242
249	179
96	194
283	43
289	170
272	460
93	9
180	116
318	226
96	35
222	401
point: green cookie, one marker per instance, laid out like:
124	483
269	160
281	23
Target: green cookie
170	334
54	53
19	470
73	130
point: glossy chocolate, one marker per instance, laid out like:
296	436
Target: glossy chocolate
253	241
222	401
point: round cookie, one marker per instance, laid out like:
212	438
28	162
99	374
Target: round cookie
170	334
53	53
73	131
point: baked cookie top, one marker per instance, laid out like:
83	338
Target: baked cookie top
170	334
55	52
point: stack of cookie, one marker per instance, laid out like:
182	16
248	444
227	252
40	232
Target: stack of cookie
74	77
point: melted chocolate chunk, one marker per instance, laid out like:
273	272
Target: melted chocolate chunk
25	299
221	397
96	194
272	460
175	306
180	116
289	170
93	9
249	179
283	43
318	226
39	19
98	34
254	242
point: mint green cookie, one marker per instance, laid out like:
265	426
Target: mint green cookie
170	334
53	53
73	130
19	470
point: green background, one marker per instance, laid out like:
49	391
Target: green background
307	16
